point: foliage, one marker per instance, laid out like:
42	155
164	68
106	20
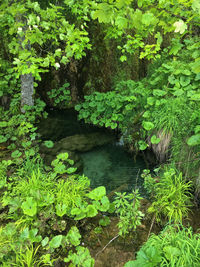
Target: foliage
61	96
127	207
174	246
40	205
170	195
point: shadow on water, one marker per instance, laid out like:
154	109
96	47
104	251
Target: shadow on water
109	165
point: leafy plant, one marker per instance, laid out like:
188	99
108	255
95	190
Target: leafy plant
171	196
174	246
127	207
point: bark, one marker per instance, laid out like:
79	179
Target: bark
27	80
27	89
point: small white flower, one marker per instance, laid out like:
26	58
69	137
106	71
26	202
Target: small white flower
57	65
35	26
20	29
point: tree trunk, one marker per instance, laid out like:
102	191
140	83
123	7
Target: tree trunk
27	80
27	89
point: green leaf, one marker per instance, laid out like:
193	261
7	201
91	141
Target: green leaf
91	211
123	58
194	140
150	101
131	264
104	221
147	125
45	241
63	156
97	193
3	139
29	206
61	209
105	204
71	170
3	124
155	140
73	236
49	144
16	154
142	145
184	80
56	241
157	92
148	18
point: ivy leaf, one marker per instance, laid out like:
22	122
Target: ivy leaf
180	26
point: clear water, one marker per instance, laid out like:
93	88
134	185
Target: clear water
108	165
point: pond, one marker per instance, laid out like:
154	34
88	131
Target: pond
109	165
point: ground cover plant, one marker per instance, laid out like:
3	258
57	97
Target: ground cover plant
174	246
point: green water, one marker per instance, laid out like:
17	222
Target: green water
109	165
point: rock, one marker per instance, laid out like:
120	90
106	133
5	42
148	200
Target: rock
75	143
78	142
83	142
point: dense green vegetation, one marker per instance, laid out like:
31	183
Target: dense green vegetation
131	66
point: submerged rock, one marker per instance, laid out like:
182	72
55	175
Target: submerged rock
81	142
73	144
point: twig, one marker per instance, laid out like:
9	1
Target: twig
106	245
152	223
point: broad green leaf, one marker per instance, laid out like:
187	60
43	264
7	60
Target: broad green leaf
3	139
184	80
91	211
61	209
155	140
147	125
194	140
157	92
56	241
45	241
29	206
16	154
142	145
97	193
73	236
3	124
